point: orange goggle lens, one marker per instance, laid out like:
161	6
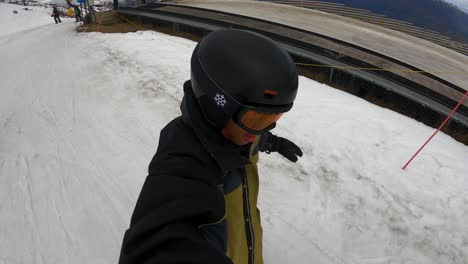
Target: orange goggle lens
258	121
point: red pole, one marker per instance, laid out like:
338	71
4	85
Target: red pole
437	131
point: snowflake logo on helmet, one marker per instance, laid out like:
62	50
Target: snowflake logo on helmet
220	100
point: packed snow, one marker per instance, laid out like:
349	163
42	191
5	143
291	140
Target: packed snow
32	18
80	115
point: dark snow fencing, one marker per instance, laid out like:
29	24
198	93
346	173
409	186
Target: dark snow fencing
381	95
342	71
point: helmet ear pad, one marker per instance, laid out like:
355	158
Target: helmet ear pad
212	113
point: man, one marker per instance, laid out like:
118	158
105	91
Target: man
56	15
199	201
77	11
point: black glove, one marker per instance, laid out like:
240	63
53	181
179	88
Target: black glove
270	143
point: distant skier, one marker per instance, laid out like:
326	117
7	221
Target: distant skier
56	15
77	14
199	201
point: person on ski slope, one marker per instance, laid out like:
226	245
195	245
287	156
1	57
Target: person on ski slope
56	15
77	11
199	201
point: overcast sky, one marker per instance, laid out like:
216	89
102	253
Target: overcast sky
462	4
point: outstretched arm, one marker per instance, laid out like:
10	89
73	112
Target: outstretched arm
270	143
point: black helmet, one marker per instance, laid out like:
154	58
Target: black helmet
234	69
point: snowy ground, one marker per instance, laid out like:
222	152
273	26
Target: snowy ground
25	19
80	116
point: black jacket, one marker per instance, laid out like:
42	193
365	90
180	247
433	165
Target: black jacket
182	193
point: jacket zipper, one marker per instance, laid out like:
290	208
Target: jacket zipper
248	218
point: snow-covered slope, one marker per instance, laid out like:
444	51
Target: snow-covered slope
80	116
32	18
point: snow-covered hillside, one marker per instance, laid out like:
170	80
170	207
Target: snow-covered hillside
34	17
80	115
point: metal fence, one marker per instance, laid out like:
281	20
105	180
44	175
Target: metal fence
372	92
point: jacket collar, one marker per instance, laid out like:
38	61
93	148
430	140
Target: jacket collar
227	155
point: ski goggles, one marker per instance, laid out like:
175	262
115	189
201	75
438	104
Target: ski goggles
257	120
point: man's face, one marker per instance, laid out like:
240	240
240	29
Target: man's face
239	136
236	134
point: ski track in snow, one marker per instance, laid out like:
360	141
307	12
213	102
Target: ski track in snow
80	116
56	113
